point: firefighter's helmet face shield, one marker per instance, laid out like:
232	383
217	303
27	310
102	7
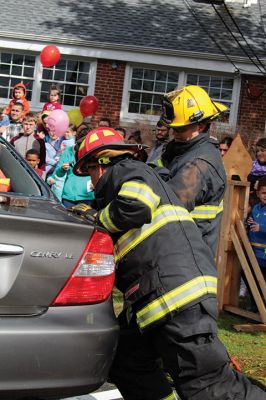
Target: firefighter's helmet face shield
168	114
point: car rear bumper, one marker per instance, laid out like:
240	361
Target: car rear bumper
71	350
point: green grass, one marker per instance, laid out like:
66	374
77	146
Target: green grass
248	348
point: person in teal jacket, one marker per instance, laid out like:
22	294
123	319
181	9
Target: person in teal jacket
69	188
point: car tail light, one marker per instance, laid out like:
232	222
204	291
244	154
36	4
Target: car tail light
92	279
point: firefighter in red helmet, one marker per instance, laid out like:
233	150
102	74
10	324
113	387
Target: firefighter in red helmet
167	276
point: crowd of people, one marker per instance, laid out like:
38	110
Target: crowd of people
169	322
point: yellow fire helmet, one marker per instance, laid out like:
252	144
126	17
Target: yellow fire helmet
188	106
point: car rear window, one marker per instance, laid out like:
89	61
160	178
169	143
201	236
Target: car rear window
15	173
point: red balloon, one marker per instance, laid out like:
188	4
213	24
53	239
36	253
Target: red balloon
50	55
88	105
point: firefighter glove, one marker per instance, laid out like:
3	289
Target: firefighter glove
85	211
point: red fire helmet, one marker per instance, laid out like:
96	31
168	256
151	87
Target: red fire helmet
97	140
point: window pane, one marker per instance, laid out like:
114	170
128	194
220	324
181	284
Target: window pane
16	70
72	65
82	90
29	71
171	86
4	81
146	98
43	97
69	100
228	83
148	85
192	79
3	92
59	75
83	78
17	59
149	74
161	76
157	99
47	74
133	108
6	58
157	109
134	96
61	64
45	86
214	93
137	73
145	109
5	69
160	87
136	84
71	76
216	82
227	95
173	77
204	81
30	60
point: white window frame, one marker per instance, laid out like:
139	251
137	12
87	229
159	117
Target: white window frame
35	104
131	118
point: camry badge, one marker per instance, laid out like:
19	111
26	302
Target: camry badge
51	254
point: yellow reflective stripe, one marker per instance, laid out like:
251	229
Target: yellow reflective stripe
172	396
207	211
141	192
159	163
4	181
176	299
162	216
106	220
258	245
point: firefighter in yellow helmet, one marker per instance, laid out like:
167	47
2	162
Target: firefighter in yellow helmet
167	275
192	163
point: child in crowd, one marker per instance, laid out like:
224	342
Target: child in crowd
52	146
258	169
69	188
104	122
70	138
33	158
15	122
4	119
257	226
42	128
28	139
54	97
19	96
225	144
257	232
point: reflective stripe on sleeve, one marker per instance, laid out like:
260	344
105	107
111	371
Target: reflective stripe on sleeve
172	396
140	191
157	163
206	211
258	245
175	299
105	219
162	216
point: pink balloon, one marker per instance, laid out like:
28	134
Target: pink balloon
58	122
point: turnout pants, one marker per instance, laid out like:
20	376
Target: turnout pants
191	353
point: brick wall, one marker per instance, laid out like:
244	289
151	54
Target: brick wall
109	90
252	108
